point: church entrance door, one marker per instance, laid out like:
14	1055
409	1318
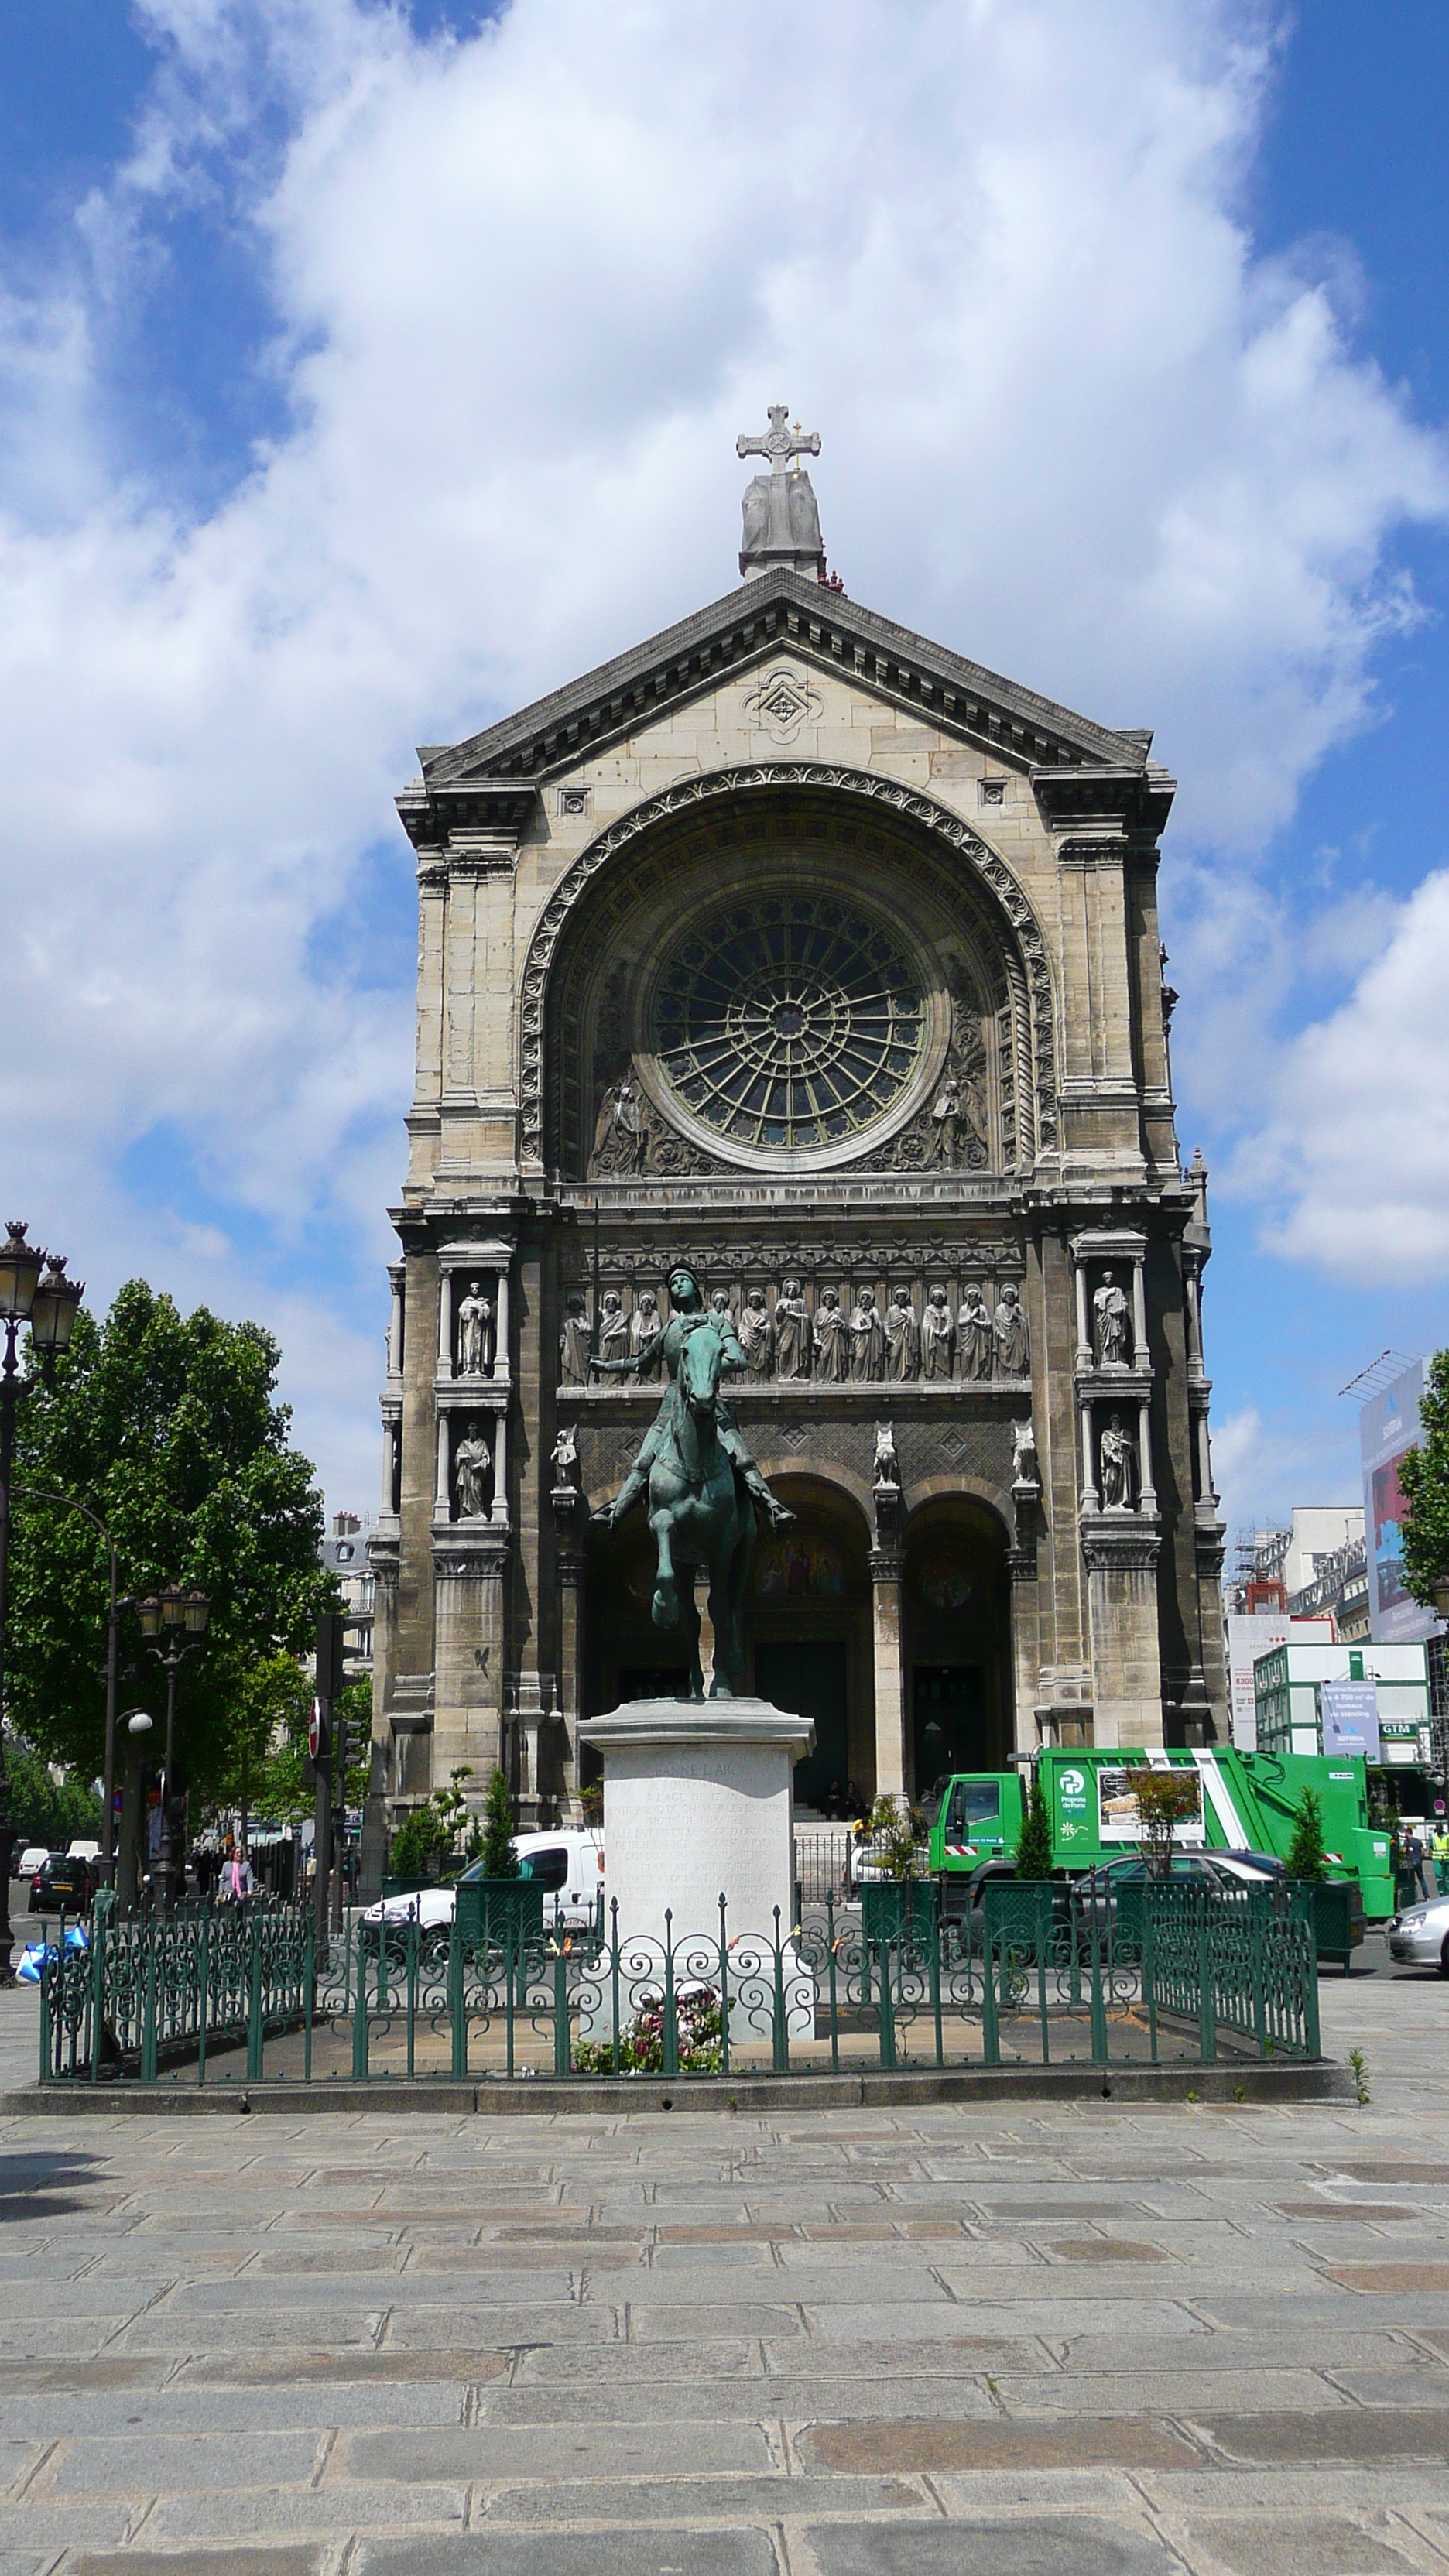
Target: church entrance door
810	1680
948	1711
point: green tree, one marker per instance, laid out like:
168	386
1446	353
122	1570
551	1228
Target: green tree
1165	1799
1424	1480
265	1758
167	1425
49	1811
1034	1851
500	1860
1306	1856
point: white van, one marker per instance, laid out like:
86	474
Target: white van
81	1849
570	1864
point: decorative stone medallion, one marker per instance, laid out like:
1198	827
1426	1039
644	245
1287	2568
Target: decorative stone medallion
782	702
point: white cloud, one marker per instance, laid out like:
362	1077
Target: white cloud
1263	1466
528	287
1354	1157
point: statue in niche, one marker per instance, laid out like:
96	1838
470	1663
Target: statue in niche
622	1131
1112	1323
477	1333
757	1335
566	1459
719	1304
1119	1467
792	1332
613	1327
473	1468
902	1336
1024	1468
887	1462
644	1331
975	1339
867	1340
1013	1335
832	1339
575	1343
936	1336
951	1132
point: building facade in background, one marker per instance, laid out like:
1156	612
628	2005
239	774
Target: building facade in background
794	944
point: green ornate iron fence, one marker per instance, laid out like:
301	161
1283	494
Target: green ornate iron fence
1040	1976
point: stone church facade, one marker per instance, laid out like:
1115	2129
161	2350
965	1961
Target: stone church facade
799	945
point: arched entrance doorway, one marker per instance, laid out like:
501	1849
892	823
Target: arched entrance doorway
957	1642
808	1635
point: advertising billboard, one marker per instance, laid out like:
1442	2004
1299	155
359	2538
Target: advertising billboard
1388	1428
1117	1818
1350	1718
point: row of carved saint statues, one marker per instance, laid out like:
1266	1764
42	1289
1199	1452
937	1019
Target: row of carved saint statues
840	1344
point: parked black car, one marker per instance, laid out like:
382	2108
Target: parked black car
64	1885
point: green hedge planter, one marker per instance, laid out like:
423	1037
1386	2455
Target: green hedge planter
501	1908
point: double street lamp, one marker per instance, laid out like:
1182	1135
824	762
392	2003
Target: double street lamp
179	1618
34	1290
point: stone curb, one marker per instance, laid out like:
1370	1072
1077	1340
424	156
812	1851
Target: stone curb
1248	2082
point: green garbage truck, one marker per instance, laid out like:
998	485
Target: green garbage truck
1245	1802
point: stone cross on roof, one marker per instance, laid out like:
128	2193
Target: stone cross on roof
781	445
782	524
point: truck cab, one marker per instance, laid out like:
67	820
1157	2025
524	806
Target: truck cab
978	1818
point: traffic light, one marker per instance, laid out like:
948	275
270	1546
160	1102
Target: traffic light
331	1655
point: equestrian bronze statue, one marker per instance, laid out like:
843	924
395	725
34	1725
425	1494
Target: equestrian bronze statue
705	1493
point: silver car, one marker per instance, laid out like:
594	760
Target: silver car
1419	1937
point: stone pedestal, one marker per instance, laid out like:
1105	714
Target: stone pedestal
699	1803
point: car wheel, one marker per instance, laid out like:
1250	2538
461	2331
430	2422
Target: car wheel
1444	1958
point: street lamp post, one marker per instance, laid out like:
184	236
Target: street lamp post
35	1291
179	1617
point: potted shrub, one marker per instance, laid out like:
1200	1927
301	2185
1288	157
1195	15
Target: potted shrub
1335	1904
901	1904
495	1901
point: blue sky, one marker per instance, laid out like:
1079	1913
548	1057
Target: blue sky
364	373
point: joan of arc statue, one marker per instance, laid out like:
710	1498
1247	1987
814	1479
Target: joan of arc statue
687	1310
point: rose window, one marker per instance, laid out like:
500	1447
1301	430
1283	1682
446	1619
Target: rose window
792	1022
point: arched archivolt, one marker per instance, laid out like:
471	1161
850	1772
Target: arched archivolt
867	820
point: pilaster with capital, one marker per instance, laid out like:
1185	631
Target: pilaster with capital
887	1567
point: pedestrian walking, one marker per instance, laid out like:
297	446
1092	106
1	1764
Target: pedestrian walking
1414	1861
1439	1854
239	1878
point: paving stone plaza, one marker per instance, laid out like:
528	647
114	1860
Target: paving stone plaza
1023	2338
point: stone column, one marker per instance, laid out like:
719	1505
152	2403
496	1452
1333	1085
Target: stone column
500	1467
443	1491
501	1366
1139	1310
445	1322
1091	1498
1084	1326
887	1565
1144	1455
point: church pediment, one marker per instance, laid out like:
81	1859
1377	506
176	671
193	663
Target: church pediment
1077	767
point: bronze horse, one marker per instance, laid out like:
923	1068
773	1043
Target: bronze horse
700	1511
